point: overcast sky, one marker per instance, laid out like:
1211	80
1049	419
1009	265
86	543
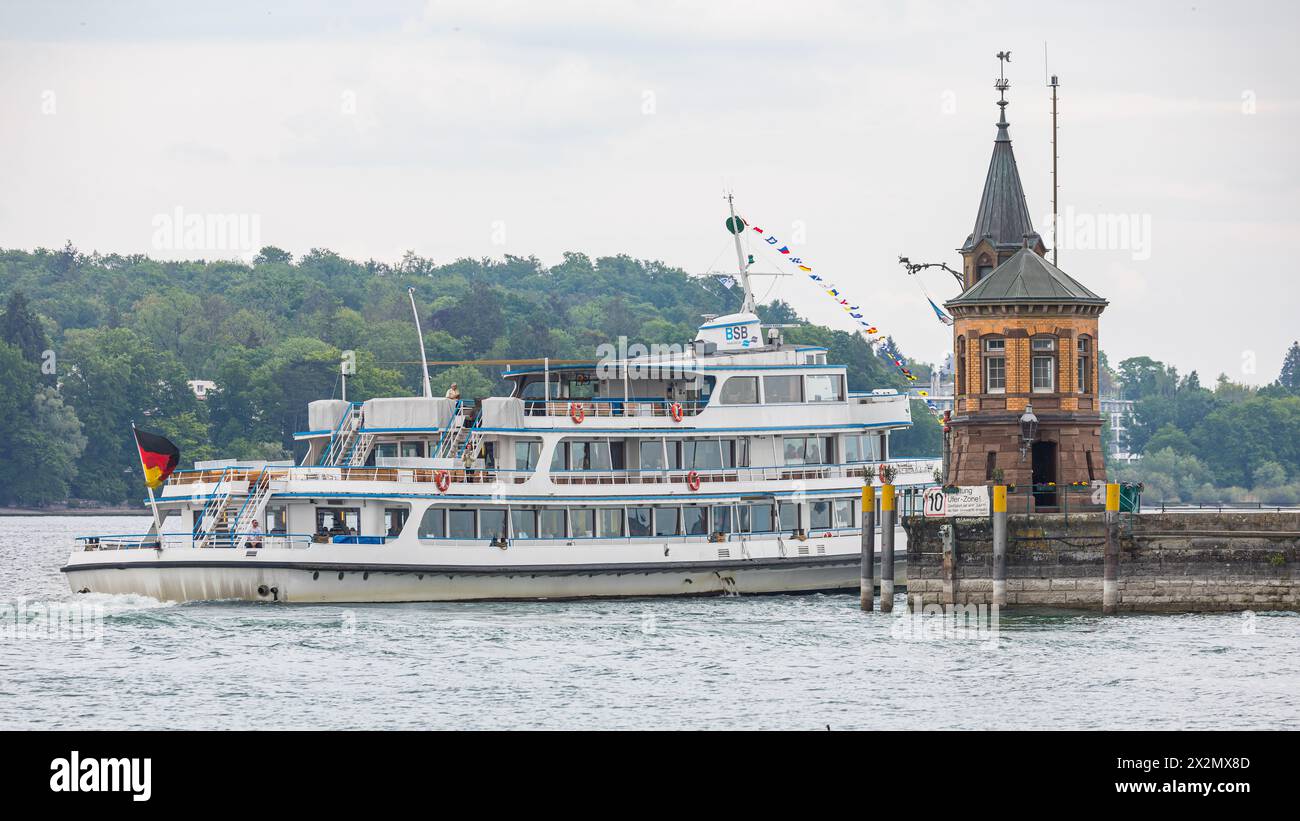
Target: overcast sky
488	128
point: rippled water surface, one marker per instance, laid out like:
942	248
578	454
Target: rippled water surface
799	662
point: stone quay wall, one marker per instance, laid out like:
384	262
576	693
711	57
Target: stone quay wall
1168	562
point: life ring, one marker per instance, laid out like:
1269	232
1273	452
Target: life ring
442	480
693	480
881	472
576	413
675	411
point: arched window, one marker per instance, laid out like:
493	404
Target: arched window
1042	364
995	364
1084	382
983	267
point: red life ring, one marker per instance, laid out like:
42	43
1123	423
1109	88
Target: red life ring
693	480
675	411
576	413
442	480
881	471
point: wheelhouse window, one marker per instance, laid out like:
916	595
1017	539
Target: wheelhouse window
1043	364
995	365
825	387
780	390
1083	383
739	390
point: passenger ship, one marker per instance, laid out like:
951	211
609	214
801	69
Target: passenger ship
733	465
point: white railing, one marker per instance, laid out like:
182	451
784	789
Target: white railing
169	541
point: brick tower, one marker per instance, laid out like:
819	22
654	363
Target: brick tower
1025	337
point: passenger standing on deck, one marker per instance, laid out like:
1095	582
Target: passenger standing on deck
255	536
453	393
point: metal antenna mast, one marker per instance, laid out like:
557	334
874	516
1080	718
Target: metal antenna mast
735	225
1052	84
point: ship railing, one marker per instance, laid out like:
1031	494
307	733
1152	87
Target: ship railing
907	470
609	407
150	541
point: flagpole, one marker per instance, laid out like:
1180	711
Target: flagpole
153	502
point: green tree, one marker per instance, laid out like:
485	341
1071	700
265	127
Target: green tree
1290	376
20	327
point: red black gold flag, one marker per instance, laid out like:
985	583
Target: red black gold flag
158	456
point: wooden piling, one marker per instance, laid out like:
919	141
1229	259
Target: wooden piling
1110	571
867	585
888	515
1000	545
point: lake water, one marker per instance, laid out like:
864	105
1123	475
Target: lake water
790	662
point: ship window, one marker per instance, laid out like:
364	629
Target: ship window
611	522
460	524
524	523
825	388
338	521
492	524
807	450
789	516
652	454
667	521
551	523
819	515
695	520
277	519
754	518
395	520
722	519
583	521
702	454
433	524
861	447
782	389
739	390
385	450
844	513
638	521
527	454
413	450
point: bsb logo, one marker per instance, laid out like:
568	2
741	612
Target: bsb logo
738	333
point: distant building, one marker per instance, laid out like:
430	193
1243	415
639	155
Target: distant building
1119	413
201	387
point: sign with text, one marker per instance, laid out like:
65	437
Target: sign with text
962	501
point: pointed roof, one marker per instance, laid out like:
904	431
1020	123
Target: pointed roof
1026	277
1003	215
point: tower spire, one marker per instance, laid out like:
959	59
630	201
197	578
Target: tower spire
1002	84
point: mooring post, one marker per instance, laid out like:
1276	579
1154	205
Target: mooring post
948	533
1110	570
867	584
1000	545
887	520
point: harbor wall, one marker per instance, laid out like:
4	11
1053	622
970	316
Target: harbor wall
1168	562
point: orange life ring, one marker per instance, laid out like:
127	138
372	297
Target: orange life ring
675	410
576	413
881	471
693	480
442	480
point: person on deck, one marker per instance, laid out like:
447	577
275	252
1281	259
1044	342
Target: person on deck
255	536
453	393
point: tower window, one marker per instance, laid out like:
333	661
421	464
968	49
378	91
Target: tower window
995	365
983	267
1085	365
1043	364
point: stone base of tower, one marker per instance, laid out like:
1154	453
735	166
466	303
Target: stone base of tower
1064	452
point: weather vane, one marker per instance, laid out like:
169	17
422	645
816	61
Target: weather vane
1002	85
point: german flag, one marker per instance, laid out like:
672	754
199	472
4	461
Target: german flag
158	457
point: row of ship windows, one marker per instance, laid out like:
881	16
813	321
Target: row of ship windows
782	389
695	454
634	522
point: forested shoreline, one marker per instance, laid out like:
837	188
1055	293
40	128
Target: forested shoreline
90	343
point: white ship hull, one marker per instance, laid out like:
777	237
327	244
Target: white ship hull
287	575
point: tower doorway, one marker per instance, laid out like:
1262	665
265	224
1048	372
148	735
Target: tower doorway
1044	474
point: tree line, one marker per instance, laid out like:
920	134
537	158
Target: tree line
90	343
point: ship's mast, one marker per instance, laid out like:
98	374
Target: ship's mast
735	225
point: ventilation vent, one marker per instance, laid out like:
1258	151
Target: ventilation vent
724	553
821	550
803	550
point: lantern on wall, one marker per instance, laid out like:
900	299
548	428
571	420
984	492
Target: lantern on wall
1028	429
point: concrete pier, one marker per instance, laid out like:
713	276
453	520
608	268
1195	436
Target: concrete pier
887	521
867	584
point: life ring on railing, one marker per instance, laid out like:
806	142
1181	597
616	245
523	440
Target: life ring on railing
442	480
693	480
675	411
576	413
